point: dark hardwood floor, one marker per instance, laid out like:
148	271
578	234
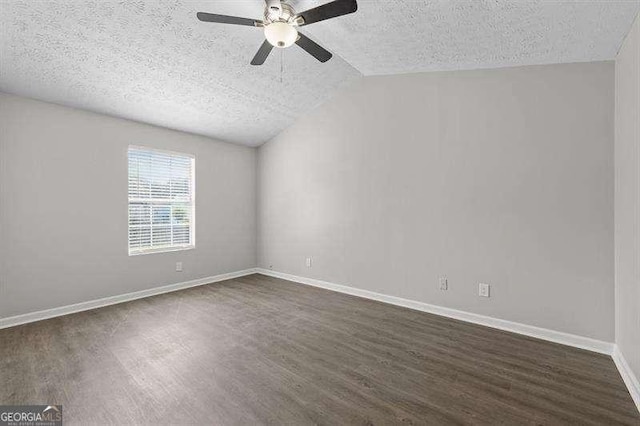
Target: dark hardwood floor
258	350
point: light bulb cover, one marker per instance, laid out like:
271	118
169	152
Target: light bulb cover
280	34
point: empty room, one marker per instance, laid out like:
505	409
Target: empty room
317	212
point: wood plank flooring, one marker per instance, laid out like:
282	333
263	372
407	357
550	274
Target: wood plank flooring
259	350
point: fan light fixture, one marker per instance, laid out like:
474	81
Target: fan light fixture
280	34
281	23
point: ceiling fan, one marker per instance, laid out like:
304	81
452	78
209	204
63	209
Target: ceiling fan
281	24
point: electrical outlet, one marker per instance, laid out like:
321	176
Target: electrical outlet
444	285
308	262
483	290
178	266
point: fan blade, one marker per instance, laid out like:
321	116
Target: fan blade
330	10
224	19
313	48
262	54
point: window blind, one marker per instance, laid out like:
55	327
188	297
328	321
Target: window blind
161	200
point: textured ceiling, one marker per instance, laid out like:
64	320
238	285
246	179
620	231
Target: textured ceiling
394	36
153	61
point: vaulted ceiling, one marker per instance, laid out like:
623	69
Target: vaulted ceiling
154	62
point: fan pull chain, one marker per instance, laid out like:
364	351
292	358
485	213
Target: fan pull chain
281	64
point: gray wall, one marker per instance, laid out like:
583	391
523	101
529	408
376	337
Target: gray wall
63	207
627	199
498	176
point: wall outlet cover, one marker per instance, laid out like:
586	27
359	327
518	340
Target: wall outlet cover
178	266
444	285
308	262
483	290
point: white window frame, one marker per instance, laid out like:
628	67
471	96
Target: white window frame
192	204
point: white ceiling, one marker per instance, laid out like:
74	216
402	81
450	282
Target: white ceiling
395	36
153	61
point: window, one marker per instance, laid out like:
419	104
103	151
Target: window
161	201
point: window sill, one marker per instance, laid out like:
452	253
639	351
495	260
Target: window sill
161	250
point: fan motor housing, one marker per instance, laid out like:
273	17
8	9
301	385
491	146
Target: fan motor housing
282	13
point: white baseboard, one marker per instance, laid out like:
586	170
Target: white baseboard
514	327
112	300
629	378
